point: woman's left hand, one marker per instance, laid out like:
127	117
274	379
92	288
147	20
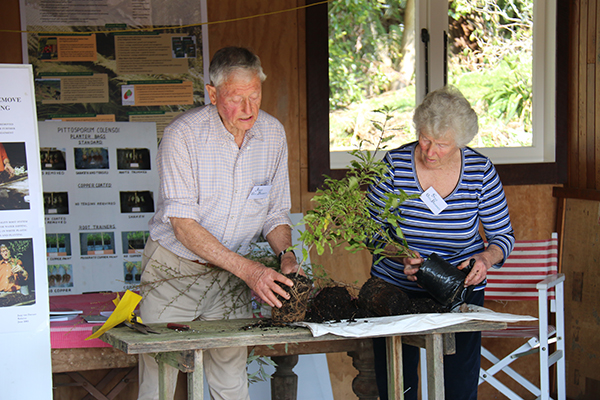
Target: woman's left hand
483	262
479	270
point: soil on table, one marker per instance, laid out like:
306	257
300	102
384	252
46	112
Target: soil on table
382	299
334	303
376	298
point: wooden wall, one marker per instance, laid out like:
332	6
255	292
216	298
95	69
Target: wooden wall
579	203
279	40
584	99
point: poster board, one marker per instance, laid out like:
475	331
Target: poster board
100	187
24	305
132	60
112	64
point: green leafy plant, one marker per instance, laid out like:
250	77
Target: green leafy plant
513	100
343	212
260	374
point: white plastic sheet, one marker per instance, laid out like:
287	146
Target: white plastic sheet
399	324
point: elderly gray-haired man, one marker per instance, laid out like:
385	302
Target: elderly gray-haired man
223	182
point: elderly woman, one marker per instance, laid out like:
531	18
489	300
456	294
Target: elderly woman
459	189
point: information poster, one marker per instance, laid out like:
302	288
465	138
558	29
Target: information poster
132	60
24	310
100	188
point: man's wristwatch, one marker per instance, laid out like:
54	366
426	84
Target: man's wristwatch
285	251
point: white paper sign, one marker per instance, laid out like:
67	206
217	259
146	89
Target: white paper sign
100	187
24	304
433	200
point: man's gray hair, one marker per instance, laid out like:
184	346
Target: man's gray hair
232	59
447	111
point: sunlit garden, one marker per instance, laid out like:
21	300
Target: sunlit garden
372	65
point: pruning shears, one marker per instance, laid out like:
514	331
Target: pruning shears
138	326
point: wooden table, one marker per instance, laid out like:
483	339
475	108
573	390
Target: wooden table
184	350
72	355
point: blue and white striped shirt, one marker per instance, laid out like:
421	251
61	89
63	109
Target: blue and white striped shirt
454	233
205	176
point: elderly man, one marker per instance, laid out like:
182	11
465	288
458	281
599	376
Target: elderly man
223	182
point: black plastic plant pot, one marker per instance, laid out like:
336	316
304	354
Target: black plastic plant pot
128	277
443	281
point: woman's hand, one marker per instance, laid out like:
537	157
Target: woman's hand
483	262
411	266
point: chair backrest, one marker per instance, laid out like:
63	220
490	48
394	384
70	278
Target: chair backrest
530	262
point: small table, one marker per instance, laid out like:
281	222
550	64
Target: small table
72	354
184	350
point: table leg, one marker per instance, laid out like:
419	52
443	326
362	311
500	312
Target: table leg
195	382
165	382
189	362
364	384
394	368
284	382
434	345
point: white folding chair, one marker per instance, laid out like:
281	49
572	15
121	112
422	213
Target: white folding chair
530	273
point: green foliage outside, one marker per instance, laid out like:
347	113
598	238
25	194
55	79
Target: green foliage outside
491	66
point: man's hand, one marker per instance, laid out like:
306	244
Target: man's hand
289	264
263	281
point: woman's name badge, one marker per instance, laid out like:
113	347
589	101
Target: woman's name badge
434	201
260	192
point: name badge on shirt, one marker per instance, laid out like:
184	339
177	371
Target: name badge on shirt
260	192
434	201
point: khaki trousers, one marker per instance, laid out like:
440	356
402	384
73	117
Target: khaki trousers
178	290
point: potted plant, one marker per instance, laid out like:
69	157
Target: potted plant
62	245
342	214
51	244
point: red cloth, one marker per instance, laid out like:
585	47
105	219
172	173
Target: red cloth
71	334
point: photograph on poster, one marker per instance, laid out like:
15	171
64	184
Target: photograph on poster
53	159
133	242
48	89
137	202
135	159
48	48
58	245
60	276
132	271
56	203
183	47
97	243
14	179
91	158
17	283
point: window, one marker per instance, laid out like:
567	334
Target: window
545	161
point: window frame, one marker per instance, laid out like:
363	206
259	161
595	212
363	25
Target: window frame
317	78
